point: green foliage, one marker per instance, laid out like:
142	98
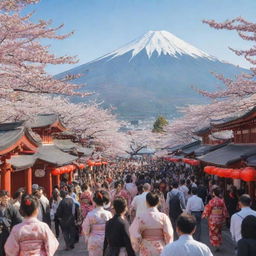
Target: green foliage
159	124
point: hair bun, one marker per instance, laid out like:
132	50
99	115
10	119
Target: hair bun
28	202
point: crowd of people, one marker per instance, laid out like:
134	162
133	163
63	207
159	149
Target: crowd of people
136	207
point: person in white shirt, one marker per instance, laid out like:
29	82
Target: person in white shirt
186	245
195	206
237	218
183	188
139	202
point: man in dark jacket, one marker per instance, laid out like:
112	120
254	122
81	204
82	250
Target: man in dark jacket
116	231
67	213
9	216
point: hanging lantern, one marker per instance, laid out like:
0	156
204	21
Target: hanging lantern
90	163
81	166
97	164
208	169
215	170
235	174
55	172
248	174
195	162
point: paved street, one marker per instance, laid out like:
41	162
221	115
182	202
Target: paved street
227	248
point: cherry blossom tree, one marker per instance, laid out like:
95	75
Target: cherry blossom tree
237	97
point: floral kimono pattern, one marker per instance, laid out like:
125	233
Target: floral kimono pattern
216	212
31	237
86	203
150	232
94	230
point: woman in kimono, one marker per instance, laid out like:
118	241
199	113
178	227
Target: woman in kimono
151	231
86	200
94	224
216	212
31	237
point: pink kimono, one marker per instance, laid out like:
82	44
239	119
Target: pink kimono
150	232
86	203
94	230
31	237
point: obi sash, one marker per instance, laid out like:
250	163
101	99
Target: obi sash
98	229
32	247
153	234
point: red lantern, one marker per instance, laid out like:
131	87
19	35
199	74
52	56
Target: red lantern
248	174
215	171
195	162
235	174
55	172
228	173
90	163
208	169
97	164
81	166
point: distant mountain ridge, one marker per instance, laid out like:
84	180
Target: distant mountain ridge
151	75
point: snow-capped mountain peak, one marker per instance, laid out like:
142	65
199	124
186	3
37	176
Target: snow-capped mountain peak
162	42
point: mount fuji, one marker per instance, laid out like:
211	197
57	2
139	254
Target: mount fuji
151	75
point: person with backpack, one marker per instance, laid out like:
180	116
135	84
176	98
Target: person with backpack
9	216
175	203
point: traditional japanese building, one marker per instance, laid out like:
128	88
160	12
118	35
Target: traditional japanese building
15	138
30	154
239	153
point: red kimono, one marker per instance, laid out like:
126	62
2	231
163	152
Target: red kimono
216	212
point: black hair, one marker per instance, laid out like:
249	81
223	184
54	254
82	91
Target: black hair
245	200
182	181
29	204
175	184
63	193
217	191
194	190
120	205
70	188
117	183
186	223
105	185
84	187
3	193
55	194
140	189
101	197
152	199
17	194
128	179
248	227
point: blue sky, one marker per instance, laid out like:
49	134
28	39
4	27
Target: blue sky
102	26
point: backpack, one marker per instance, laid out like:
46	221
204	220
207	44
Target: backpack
174	206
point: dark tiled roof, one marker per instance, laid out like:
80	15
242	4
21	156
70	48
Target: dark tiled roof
10	133
47	153
191	147
251	160
175	148
68	146
203	131
22	162
233	118
52	154
42	120
204	149
229	154
146	151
